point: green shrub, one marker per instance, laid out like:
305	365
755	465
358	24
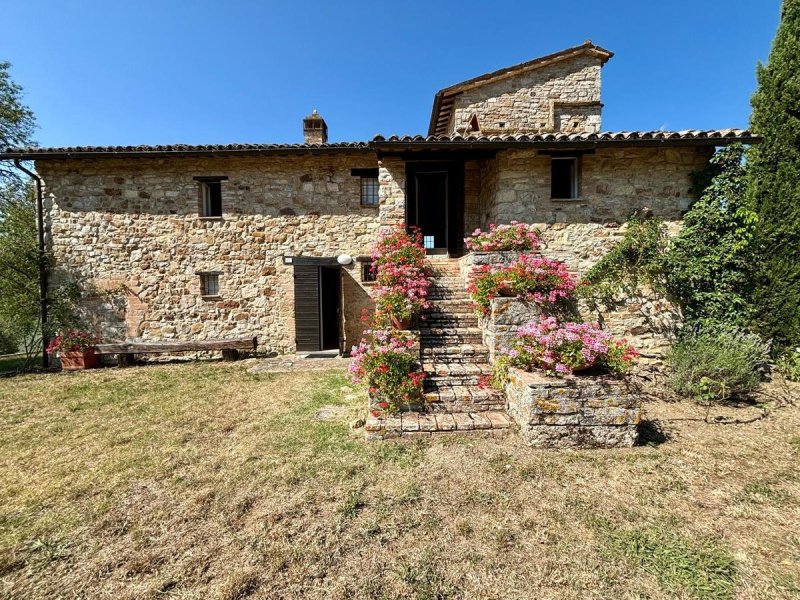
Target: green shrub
789	365
716	365
9	344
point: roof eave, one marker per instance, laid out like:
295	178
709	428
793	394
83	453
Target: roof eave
62	155
562	144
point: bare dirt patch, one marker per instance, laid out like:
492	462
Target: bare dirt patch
206	481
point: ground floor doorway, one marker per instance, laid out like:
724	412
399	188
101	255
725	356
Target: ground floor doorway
317	304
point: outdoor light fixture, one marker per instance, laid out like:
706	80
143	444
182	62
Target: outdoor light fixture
344	259
287	260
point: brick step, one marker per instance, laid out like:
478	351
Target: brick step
422	424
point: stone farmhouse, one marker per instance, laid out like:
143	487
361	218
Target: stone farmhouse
272	240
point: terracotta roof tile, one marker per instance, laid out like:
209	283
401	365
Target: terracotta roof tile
711	136
33	152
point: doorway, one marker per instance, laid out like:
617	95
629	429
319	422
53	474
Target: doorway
317	305
435	204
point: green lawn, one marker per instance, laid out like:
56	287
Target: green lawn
201	480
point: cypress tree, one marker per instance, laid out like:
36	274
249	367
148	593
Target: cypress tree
774	167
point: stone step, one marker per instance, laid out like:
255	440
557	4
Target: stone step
442	397
439	294
450	283
456	354
425	424
442	368
463	380
448	320
455	336
452	306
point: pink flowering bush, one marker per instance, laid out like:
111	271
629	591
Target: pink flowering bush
534	278
561	348
387	361
516	236
398	261
73	340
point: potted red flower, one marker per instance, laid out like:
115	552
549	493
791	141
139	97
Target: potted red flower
75	350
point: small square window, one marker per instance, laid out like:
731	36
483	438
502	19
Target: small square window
209	284
367	274
210	198
564	178
369	191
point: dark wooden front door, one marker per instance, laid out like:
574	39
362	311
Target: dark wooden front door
317	309
435	204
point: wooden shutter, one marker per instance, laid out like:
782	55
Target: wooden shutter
307	308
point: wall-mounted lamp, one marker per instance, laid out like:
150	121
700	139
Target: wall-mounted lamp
344	259
287	260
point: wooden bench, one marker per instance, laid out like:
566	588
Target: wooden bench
126	351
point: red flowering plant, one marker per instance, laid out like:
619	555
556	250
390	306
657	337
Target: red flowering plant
534	278
402	276
73	340
387	362
562	348
516	236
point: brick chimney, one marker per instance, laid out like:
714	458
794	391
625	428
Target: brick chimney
315	130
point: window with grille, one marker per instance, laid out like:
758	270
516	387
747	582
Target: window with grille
369	191
209	284
369	185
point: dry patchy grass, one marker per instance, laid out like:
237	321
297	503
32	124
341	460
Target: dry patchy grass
203	481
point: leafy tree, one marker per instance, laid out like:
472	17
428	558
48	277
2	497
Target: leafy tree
707	266
19	254
775	184
19	267
16	120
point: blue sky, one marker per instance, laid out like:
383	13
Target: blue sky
201	71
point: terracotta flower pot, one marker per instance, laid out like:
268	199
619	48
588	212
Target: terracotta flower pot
506	290
400	323
77	360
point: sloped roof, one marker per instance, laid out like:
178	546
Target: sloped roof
444	98
33	152
712	137
709	137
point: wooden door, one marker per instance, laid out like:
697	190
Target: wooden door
307	314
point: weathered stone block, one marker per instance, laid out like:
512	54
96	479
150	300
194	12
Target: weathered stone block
591	412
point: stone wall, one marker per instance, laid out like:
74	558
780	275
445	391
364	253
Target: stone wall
575	412
613	183
551	98
646	319
131	228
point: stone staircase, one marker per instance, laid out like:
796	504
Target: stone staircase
457	395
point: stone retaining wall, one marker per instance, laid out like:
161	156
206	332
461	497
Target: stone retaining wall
575	412
646	319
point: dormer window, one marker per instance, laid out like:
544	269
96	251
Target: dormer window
210	196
